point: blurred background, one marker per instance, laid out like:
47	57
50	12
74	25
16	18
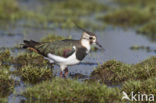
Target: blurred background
125	28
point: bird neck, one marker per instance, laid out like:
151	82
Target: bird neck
85	43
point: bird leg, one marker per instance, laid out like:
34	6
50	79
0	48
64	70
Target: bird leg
61	74
66	72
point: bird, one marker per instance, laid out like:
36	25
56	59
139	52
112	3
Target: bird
65	52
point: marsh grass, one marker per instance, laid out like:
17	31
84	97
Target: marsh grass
71	91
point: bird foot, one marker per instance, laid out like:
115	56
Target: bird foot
61	74
66	72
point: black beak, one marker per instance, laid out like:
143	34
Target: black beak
99	45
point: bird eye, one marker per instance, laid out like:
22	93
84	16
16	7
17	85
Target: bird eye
90	38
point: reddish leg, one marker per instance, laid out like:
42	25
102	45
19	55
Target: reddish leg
66	72
61	74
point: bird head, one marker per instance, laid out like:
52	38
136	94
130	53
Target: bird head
90	37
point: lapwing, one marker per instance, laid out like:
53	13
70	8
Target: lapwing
66	52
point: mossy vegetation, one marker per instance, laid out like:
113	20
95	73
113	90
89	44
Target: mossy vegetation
111	72
32	67
5	57
32	58
6	83
71	91
33	74
114	72
145	69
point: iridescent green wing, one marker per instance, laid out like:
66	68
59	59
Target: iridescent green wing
61	48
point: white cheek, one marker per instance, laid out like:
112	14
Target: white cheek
94	41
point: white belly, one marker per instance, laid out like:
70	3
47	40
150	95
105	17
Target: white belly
71	60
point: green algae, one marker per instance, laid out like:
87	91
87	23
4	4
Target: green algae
71	91
115	72
6	83
32	74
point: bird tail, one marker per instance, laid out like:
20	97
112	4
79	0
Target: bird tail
29	44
